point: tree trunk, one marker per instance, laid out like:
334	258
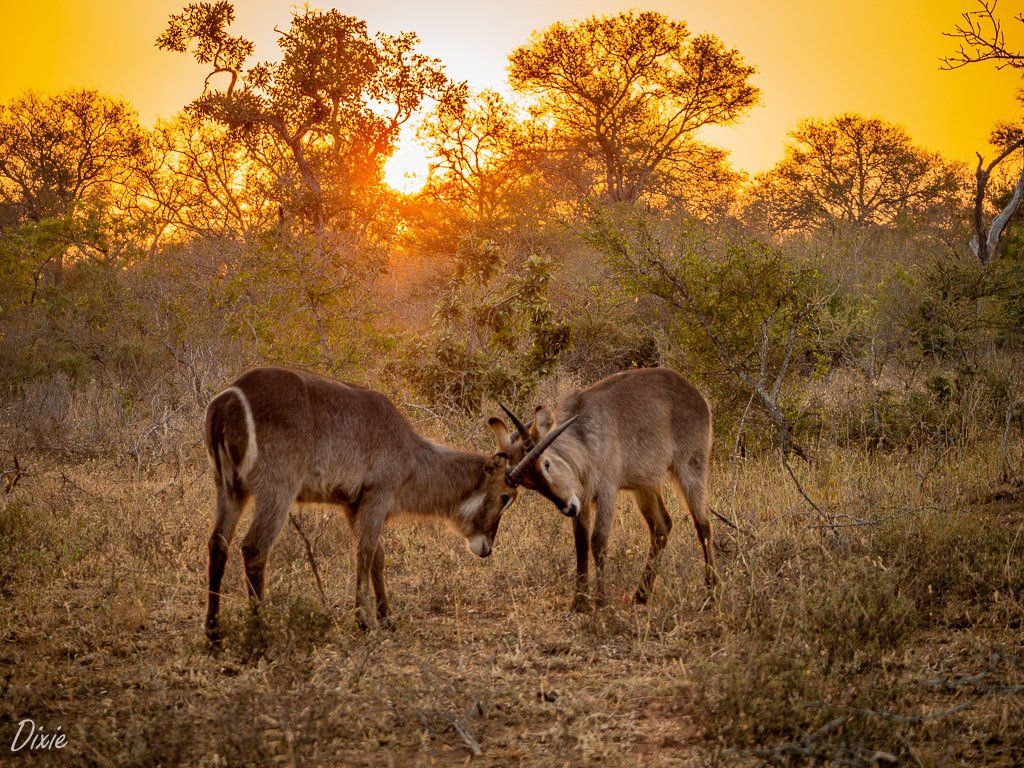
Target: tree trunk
985	244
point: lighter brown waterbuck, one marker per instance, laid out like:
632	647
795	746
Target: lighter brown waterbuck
628	432
279	436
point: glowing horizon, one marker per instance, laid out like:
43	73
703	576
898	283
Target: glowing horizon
406	170
814	60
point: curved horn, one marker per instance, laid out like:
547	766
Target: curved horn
515	475
524	433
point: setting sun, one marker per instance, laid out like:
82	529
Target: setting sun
407	168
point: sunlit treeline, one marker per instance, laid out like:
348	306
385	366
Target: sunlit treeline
580	227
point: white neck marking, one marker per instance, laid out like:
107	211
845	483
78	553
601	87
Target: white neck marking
471	505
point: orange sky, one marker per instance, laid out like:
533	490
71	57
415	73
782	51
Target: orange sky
815	58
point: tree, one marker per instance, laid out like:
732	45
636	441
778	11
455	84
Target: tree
336	100
855	170
981	38
739	310
204	181
59	151
66	166
477	144
628	93
494	334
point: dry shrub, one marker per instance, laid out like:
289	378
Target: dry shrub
816	666
949	558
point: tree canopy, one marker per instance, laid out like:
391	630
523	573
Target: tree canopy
57	151
336	100
855	170
982	38
626	94
478	145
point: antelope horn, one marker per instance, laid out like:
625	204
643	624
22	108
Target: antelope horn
524	433
515	475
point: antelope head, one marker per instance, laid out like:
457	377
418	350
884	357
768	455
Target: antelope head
480	514
535	463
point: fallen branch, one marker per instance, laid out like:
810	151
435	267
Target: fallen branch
730	523
11	477
848	521
467	738
311	557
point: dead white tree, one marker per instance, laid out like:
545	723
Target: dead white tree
982	38
985	241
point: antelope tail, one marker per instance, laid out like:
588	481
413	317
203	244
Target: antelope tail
232	460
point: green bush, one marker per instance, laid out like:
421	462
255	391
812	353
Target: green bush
494	335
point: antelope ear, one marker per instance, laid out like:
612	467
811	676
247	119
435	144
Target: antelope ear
497	463
501	433
543	421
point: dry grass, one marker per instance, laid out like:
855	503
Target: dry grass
901	642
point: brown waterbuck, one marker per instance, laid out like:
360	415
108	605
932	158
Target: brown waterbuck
278	436
629	431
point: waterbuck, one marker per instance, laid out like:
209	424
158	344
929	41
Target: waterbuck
279	436
630	430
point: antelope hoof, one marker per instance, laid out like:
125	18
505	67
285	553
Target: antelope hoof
642	596
213	634
365	620
580	603
387	623
714	591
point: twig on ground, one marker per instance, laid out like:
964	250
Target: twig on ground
424	408
467	738
730	523
357	674
160	423
957	685
311	557
12	476
827	520
738	448
803	748
848	521
933	467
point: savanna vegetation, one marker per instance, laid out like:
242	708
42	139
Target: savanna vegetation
855	315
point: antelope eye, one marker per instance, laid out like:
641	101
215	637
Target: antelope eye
505	499
547	464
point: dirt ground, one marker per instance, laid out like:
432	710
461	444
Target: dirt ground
818	652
